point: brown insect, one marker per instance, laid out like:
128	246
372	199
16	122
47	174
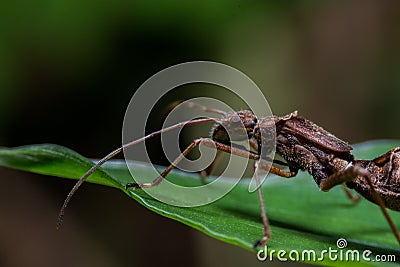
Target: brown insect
306	146
303	145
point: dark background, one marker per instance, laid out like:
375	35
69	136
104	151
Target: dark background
68	69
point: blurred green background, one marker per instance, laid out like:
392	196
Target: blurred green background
69	68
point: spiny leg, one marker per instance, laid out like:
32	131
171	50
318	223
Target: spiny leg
349	174
206	172
282	173
167	170
265	164
274	170
253	144
267	233
353	197
204	141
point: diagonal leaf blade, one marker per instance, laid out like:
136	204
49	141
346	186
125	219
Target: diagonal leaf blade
301	216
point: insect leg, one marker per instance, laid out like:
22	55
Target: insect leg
272	169
209	169
254	146
282	173
204	141
353	197
350	174
267	233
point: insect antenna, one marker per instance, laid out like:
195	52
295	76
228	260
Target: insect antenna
194	105
117	151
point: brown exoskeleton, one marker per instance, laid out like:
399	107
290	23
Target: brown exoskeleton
303	145
306	146
385	174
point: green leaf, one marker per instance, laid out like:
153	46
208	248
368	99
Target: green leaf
301	216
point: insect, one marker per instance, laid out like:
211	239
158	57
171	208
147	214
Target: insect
306	146
303	145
